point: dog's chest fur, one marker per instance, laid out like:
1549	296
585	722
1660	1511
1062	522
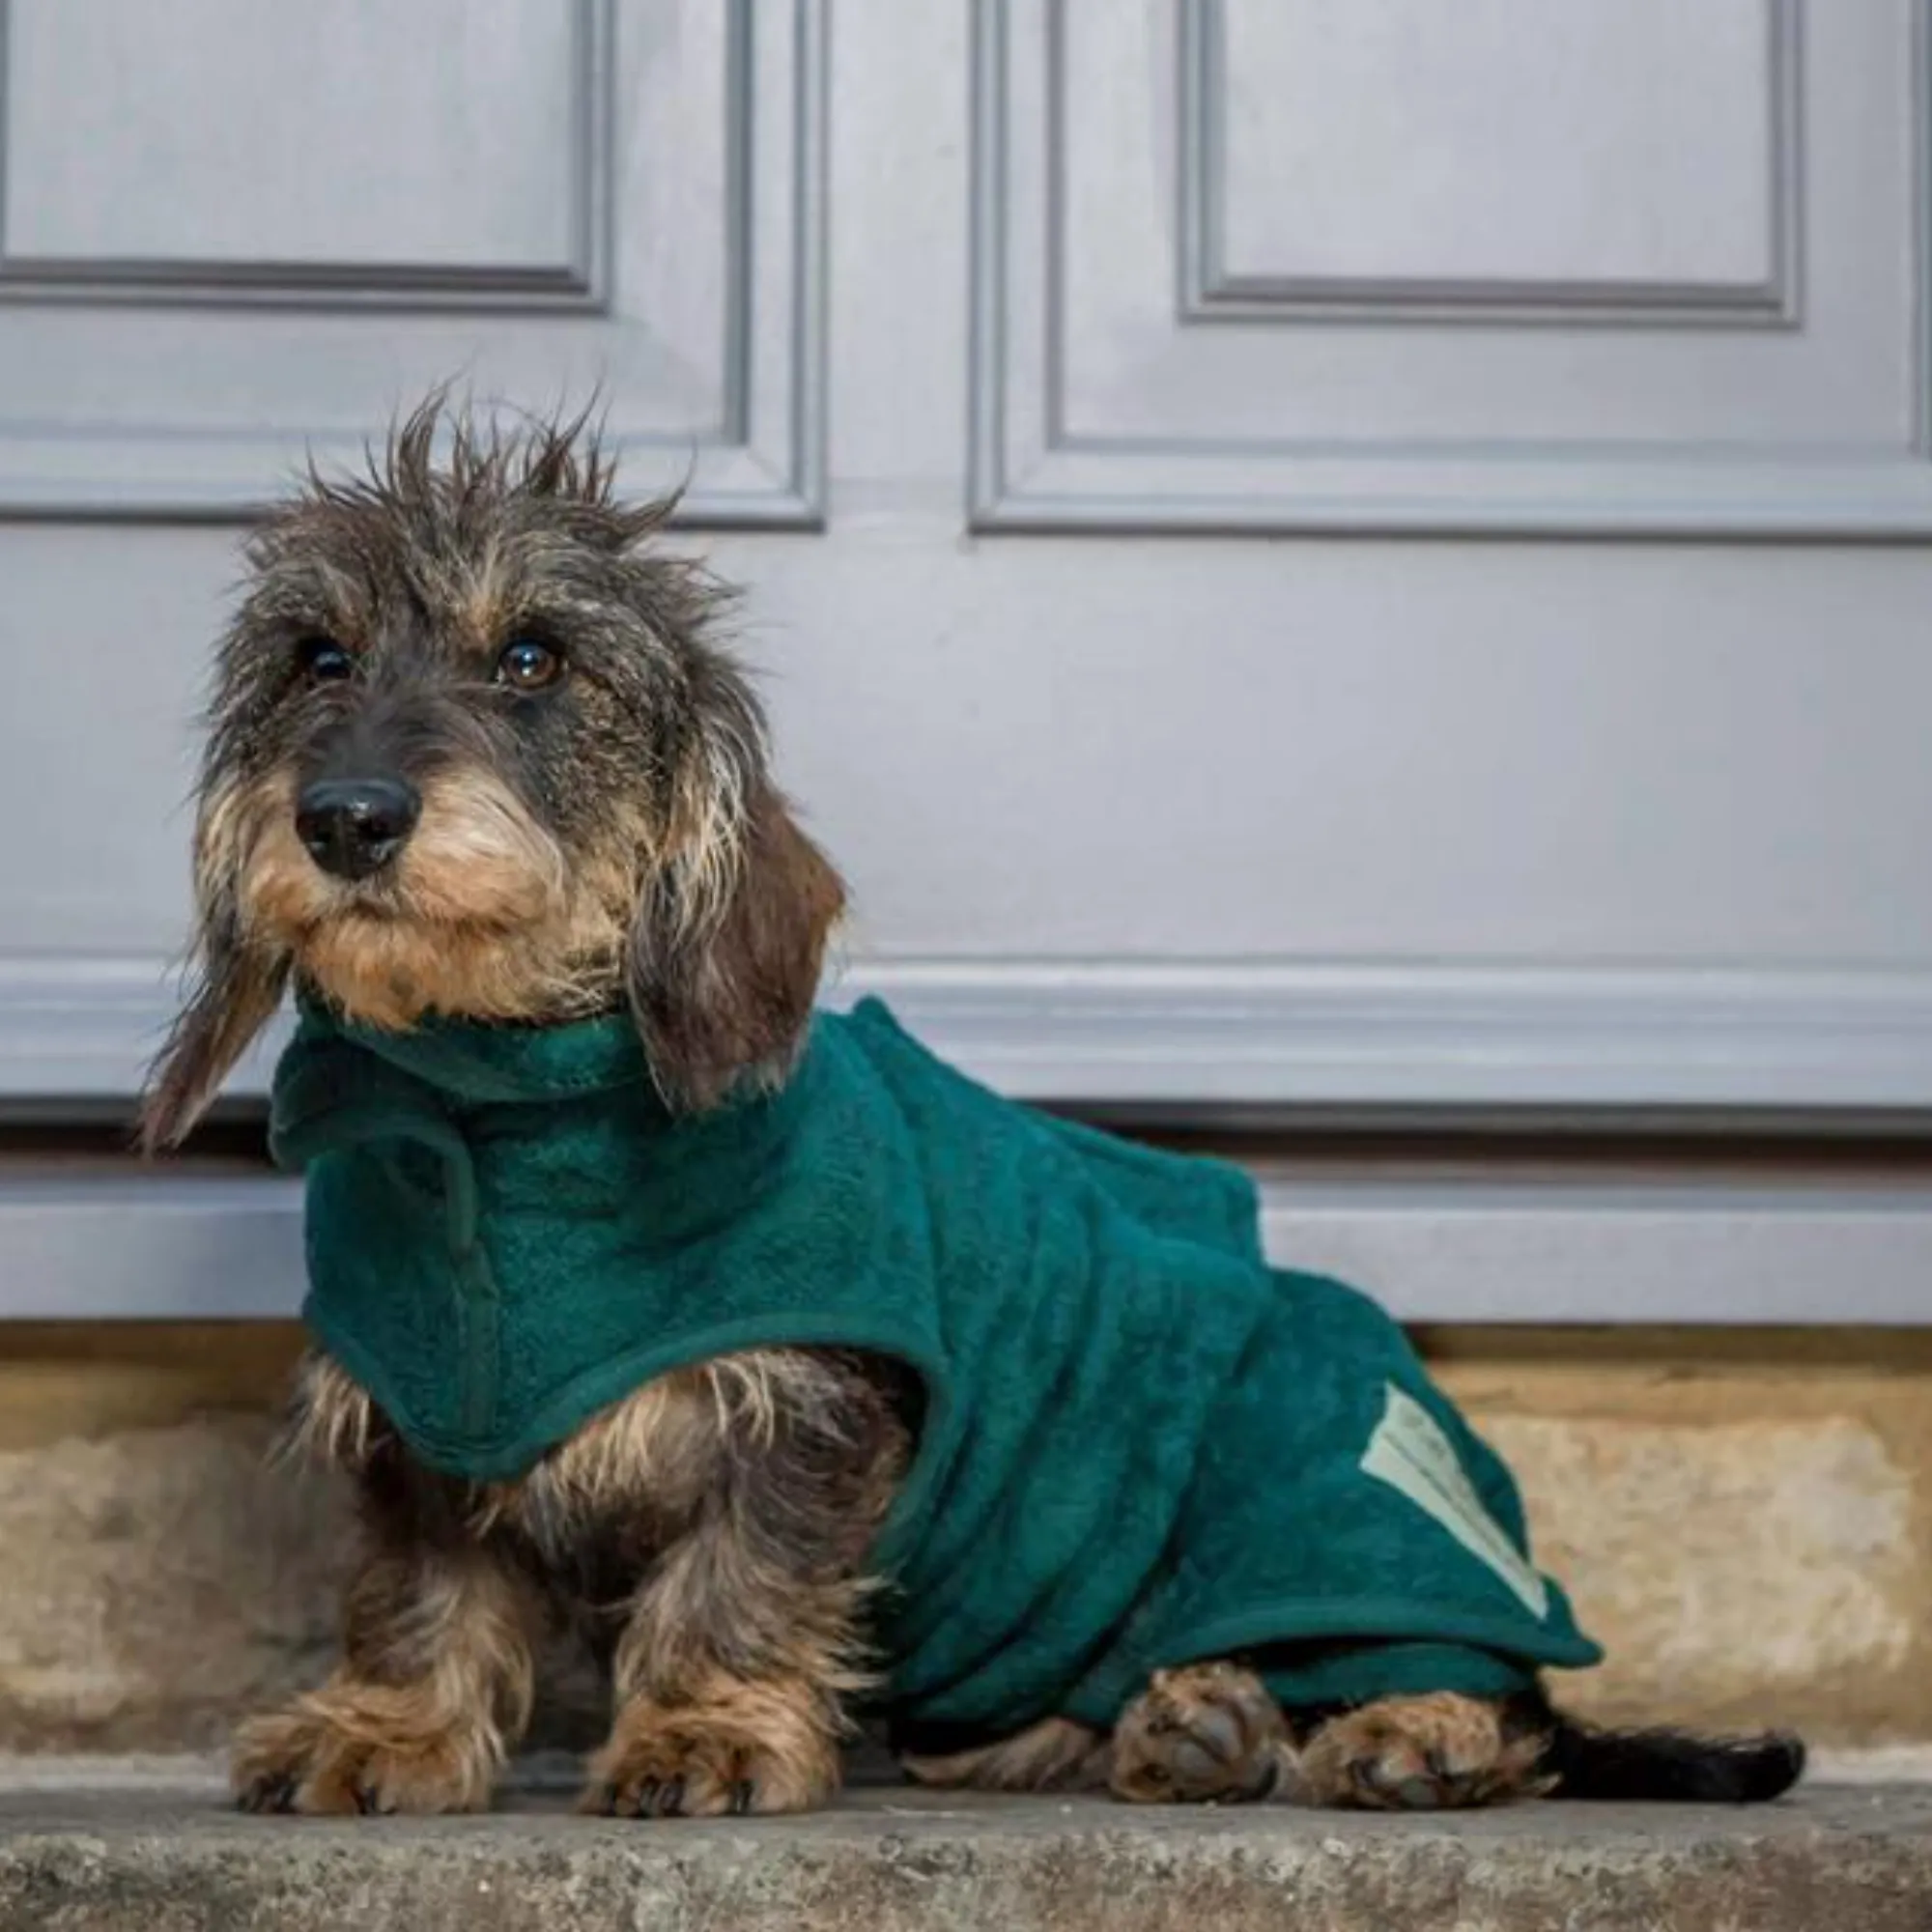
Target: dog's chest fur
778	1456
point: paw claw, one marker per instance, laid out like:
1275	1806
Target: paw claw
268	1795
1218	1736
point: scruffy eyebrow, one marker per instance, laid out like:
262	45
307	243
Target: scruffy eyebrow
311	592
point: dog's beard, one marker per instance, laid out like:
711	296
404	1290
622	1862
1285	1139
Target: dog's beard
479	917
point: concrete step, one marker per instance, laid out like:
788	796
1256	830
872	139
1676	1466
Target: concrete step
156	1850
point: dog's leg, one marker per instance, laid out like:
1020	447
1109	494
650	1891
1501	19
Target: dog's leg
729	1678
744	1637
1438	1753
1055	1754
434	1689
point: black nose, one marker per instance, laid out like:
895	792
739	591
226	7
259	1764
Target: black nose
353	827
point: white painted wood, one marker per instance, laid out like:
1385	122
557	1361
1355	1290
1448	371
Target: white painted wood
1785	406
170	1245
161	1247
1212	1037
1591	145
128	142
1615	787
650	228
1608	1254
1204	820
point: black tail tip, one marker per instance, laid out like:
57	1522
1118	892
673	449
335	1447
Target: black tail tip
1765	1767
1674	1766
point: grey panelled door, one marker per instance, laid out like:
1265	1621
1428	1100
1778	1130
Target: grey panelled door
1306	549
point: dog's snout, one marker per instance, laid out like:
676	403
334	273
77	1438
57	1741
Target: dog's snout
353	827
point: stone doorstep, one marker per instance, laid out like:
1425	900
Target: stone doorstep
149	1844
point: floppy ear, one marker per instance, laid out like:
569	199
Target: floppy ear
727	948
237	985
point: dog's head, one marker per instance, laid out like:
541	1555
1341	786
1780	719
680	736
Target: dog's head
474	753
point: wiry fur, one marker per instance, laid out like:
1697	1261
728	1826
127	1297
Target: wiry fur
704	1536
620	836
436	1685
1055	1754
614	840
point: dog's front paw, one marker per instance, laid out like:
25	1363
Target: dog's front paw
339	1754
754	1749
1207	1733
1438	1753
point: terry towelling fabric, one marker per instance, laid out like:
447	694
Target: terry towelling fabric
1141	1444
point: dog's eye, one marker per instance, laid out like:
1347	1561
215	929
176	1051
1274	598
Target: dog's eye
527	664
323	660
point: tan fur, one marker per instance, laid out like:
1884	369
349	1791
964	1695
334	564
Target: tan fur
1207	1733
662	1442
1055	1754
735	1651
481	917
793	1626
1442	1751
228	1008
238	979
483	604
724	1746
1211	1733
331	1421
246	840
704	839
231	819
435	1686
480	859
741	1642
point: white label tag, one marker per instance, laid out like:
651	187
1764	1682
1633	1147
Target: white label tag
1409	1453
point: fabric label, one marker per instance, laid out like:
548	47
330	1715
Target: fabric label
1411	1453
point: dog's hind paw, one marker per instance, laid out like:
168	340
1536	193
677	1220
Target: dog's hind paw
1431	1753
1204	1734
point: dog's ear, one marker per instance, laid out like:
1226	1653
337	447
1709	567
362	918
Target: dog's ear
236	987
730	941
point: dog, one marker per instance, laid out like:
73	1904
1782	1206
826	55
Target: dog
476	754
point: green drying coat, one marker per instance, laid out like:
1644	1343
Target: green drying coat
1139	1445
